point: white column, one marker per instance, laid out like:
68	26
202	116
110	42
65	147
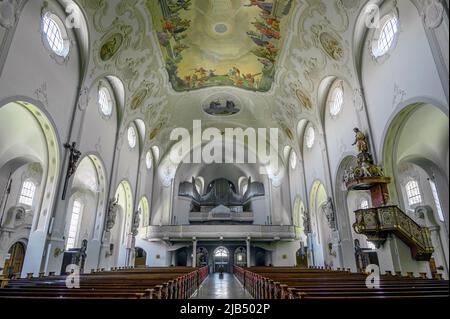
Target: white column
194	252
248	252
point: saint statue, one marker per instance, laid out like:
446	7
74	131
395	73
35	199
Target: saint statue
136	223
361	141
306	223
112	213
328	211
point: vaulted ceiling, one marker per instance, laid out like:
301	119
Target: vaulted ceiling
173	56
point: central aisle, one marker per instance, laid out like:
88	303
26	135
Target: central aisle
226	288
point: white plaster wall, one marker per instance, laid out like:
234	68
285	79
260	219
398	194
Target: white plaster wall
409	74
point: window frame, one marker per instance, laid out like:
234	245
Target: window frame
310	129
332	100
62	54
109	97
364	201
437	200
28	199
77	231
414	195
149	160
132	145
378	34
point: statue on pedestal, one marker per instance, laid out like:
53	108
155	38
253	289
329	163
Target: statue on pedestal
361	141
136	223
328	211
113	208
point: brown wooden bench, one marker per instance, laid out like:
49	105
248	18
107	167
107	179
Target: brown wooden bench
127	283
313	283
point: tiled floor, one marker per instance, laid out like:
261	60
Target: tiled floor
226	288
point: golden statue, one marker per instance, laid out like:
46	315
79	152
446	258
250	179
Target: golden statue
361	141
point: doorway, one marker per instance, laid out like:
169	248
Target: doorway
14	263
221	260
140	258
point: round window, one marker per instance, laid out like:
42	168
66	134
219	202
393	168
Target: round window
148	160
310	137
132	137
105	101
336	101
55	34
386	37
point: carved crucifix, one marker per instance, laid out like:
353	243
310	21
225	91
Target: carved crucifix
74	158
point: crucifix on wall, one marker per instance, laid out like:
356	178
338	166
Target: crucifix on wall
74	158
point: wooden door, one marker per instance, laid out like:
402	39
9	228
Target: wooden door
15	262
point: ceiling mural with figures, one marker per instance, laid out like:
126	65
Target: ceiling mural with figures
208	43
240	62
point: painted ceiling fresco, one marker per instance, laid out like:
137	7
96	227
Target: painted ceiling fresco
208	43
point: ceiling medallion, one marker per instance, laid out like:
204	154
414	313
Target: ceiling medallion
221	105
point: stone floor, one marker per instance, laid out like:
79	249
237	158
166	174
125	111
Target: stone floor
226	288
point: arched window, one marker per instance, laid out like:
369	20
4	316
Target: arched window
55	34
221	253
105	101
77	210
386	37
310	136
149	160
364	204
336	101
437	200
27	193
156	153
413	193
132	137
293	160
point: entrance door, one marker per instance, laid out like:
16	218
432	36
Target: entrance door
140	258
221	260
14	263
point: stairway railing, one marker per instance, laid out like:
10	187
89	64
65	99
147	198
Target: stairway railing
378	223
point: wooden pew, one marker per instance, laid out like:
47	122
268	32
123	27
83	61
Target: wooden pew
127	283
296	283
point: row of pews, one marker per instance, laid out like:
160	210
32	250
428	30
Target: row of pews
327	284
119	283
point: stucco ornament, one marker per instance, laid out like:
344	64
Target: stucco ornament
433	13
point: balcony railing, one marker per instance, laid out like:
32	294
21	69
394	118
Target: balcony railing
262	232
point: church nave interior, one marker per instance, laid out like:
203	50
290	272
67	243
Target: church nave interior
224	149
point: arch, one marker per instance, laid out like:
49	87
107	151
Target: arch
120	234
16	259
318	197
415	146
221	259
144	210
28	136
343	213
298	217
395	131
89	186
